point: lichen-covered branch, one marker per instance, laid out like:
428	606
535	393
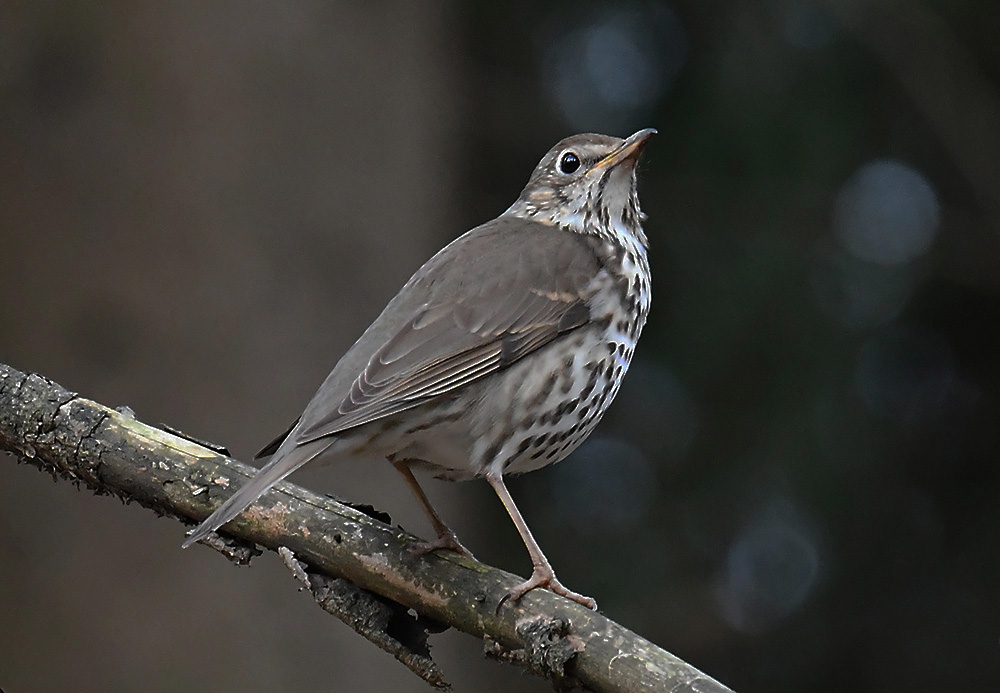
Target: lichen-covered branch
341	553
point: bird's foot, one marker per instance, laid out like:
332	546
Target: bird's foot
445	540
543	576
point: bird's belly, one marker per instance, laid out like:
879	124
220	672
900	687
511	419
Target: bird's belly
527	416
436	435
552	401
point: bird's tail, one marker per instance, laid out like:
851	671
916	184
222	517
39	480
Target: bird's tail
284	462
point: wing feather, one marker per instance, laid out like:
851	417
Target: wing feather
467	326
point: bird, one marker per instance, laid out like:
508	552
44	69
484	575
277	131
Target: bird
501	353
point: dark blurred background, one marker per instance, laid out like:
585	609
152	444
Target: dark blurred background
202	205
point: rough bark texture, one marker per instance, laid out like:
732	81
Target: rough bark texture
342	554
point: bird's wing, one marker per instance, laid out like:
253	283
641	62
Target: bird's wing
487	302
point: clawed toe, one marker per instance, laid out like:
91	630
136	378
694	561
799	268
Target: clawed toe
445	541
584	600
543	577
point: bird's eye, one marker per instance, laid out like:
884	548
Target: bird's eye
569	162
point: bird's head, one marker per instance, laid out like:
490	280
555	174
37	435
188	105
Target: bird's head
587	183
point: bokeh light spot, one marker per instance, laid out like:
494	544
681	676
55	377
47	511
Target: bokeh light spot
607	71
886	213
771	568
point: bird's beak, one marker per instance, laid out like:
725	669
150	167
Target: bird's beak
629	150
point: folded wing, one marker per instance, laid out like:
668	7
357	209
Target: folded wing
466	327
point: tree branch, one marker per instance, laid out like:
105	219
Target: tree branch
356	566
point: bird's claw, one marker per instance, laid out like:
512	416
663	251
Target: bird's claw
444	541
543	576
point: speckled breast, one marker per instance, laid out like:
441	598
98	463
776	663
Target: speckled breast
556	398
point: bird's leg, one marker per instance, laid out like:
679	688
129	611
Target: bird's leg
542	574
446	538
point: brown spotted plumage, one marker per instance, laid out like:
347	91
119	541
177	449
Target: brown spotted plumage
501	353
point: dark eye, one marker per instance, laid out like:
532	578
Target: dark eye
569	162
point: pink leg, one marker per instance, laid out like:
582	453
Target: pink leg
446	538
542	574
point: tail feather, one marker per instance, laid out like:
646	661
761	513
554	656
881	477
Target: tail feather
287	459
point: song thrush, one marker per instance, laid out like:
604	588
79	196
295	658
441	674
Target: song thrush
501	354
